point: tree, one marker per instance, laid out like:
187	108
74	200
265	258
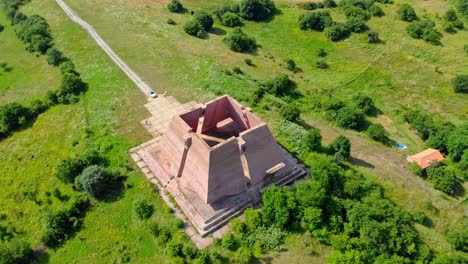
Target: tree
356	24
243	255
194	28
406	13
443	179
174	248
311	193
316	20
364	103
12	116
143	209
94	180
373	37
281	85
256	9
204	19
278	205
15	251
253	218
240	42
175	6
312	218
54	56
230	19
321	53
463	7
341	145
349	117
439	136
290	112
337	32
378	133
68	67
460	83
312	140
321	64
376	10
457	142
291	65
229	241
71	86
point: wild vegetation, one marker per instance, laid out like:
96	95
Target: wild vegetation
374	83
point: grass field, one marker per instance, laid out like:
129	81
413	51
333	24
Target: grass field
397	74
29	76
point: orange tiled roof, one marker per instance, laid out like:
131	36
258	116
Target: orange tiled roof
425	159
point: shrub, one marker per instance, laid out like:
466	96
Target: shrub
349	117
68	67
463	7
12	116
364	103
204	19
237	70
378	133
290	112
94	180
143	209
194	28
221	10
240	42
321	64
316	20
2	28
321	53
313	140
70	87
452	21
307	5
69	168
353	11
337	32
443	179
373	37
267	238
249	62
189	250
341	145
291	65
15	251
356	24
423	29
278	206
230	19
54	56
281	85
229	241
406	13
460	83
256	9
376	10
174	248
416	169
458	238
171	21
329	3
312	218
175	6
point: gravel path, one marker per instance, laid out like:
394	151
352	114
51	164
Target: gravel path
144	87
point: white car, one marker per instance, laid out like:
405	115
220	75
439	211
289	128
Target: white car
152	93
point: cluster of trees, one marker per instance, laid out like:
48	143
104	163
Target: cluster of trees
201	23
463	7
35	32
450	140
317	5
357	13
420	29
15	251
228	15
452	21
256	10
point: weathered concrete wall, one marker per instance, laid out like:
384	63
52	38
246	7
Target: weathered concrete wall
261	151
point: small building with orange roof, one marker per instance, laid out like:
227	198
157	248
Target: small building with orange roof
426	158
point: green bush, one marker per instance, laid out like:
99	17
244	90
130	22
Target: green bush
229	241
316	20
54	56
94	180
291	65
253	218
69	168
373	37
364	103
143	209
35	33
171	21
460	83
312	218
452	21
349	117
70	88
443	179
458	238
378	133
267	238
68	67
356	24
240	42
2	28
424	29
376	10
230	19
312	140
278	206
406	13
280	85
243	255
237	70
356	12
175	6
290	112
204	19
221	10
337	32
341	145
457	142
194	28
321	64
321	53
463	7
15	251
256	9
12	117
174	248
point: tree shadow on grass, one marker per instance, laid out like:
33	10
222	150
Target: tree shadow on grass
116	190
360	163
217	31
